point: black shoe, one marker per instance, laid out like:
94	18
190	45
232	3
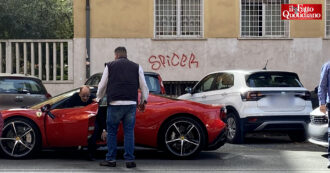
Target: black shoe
108	163
130	164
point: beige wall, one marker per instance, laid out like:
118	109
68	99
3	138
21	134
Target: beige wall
308	28
221	18
115	18
135	19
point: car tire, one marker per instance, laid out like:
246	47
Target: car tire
183	137
20	138
233	129
297	136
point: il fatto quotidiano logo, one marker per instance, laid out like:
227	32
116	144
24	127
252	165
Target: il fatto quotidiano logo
301	12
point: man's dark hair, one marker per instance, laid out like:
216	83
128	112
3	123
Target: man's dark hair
121	51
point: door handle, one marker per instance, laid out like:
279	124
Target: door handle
204	96
18	99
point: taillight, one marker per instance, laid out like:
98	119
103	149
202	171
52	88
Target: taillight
223	113
48	96
252	95
306	95
162	88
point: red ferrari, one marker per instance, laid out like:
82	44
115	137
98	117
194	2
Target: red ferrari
181	128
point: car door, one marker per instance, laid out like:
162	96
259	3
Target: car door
33	91
70	126
203	89
17	92
220	89
11	95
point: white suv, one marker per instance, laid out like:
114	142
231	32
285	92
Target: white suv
259	100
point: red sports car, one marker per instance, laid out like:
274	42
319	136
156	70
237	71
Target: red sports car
181	128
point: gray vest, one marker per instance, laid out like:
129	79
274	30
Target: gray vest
123	80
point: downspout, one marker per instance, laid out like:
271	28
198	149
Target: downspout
87	39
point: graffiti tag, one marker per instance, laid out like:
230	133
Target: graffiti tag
173	61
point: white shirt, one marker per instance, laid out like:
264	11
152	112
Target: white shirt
102	88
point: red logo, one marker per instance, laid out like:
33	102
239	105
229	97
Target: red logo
301	12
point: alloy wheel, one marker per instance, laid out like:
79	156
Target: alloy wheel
182	138
18	139
231	123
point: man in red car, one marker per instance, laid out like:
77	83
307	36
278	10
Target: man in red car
83	98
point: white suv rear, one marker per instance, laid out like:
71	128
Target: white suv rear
256	101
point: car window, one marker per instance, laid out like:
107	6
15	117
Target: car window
94	80
205	84
224	81
273	79
89	81
152	83
15	86
55	99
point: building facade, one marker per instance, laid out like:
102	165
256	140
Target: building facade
183	40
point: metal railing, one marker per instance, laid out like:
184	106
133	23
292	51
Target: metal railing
49	60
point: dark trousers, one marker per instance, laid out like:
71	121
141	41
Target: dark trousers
100	124
95	136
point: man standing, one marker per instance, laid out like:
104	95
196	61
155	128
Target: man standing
324	93
120	81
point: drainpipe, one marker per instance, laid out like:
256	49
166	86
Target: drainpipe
87	39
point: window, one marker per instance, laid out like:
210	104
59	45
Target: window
273	79
205	84
224	81
152	83
327	28
178	18
262	18
20	86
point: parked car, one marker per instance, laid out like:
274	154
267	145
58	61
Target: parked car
257	100
318	128
17	90
153	80
181	128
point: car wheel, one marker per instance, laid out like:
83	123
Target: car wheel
234	131
20	138
297	136
183	137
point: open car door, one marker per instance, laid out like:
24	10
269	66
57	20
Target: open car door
70	126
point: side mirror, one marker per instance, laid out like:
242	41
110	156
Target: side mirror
46	109
189	90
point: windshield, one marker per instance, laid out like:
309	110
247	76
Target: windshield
55	99
273	79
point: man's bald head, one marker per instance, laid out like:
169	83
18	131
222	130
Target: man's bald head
84	93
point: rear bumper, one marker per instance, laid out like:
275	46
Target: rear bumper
275	123
219	141
318	134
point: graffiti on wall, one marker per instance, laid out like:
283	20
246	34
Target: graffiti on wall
174	60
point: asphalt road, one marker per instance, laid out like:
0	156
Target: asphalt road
259	154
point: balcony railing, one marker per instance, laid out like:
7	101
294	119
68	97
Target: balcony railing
49	60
